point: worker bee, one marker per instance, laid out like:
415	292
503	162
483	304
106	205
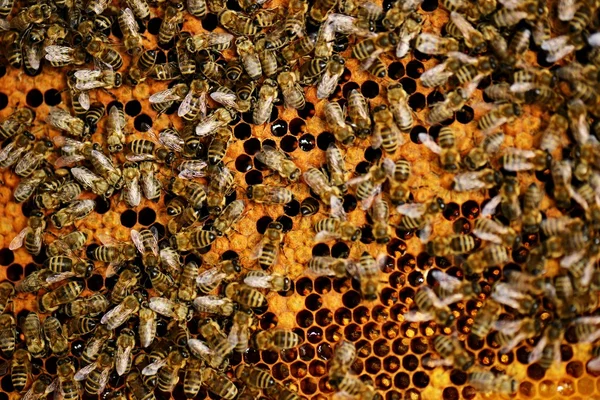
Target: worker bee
493	231
66	267
64	294
446	148
523	160
358	111
245	295
488	382
371	48
17	122
239	335
431	44
194	103
121	313
511	333
336	122
380	214
263	280
508	295
430	308
420	215
547	350
269	194
459	27
476	180
138	388
489	256
453	353
230	215
219	145
211	40
563	191
293	94
485	319
131	37
166	71
254	376
192	239
278	161
328	82
53	332
508	200
561	46
115	127
479	156
219	118
31	235
34	339
219	384
266	96
141	66
99	49
147	326
35	14
97	373
267	250
169	308
88	306
443	110
219	345
319	183
20	369
31	160
11	153
8	334
278	339
451	289
41	387
450	245
131	193
169	26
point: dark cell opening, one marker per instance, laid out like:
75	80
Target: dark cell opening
535	372
128	218
297	126
286	222
263	223
34	98
102	204
372	155
351	299
306	142
414	69
292	208
252	146
340	250
452	211
370	89
348	87
320	250
7	256
275	114
465	115
305	318
409	85
253	177
289	143
396	70
414	133
154	25
307	112
313	302
279	128
51	97
142	123
243	163
324	140
14	272
417	101
242	131
133	107
95	282
147	216
2	71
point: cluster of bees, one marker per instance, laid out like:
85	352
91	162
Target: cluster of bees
259	58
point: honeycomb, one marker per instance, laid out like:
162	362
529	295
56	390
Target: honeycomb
392	353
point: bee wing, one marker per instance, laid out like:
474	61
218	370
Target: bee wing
27	161
152	369
487	236
559	54
463	25
436	76
165	96
68	160
521	87
104	375
414	210
594	39
122	359
417	316
468	181
84	176
270	156
368	201
359	179
132	192
84	372
106	239
428	141
115	317
34	56
207	126
192	172
8	150
536	353
327	85
210	276
324	236
433	297
219	38
508	327
337	208
18	240
570	259
88	79
260	282
114	119
490	208
224	98
511	4
129	20
446	281
84	100
136	238
512	343
103	160
54	278
186	105
428	43
58	54
594	364
200	349
494	145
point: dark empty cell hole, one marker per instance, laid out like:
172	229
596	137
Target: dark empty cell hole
292	208
348	87
128	218
161	58
275	114
465	115
252	356
396	70
233	5
351	298
243	163
116	30
269	142
340	250
51	97
307	112
409	85
347	75
429	5
154	25
541	59
414	69
369	89
434	97
95	282
297	126
414	133
313	302
320	250
210	22
247	117
286	222
2	71
253	177
372	155
147	216
305	319
306	142
7	256
452	211
3	101
102	205
252	146
142	123
324	140
353	332
349	203
263	223
242	131
461	226
289	143
34	98
279	128
535	372
470	209
323	285
420	379
417	101
14	272
6	383
133	107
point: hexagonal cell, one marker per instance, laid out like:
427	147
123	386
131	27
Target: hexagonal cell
402	380
317	368
371	331
298	369
306	352
373	365
361	315
308	386
323	285
324	317
363	348
280	371
352	332
342	316
313	302
333	333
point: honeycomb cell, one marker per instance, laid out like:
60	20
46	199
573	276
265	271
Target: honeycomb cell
324	385
392	395
396	247
381	347
268	321
280	127
352	332
419	345
575	369
269	356
469	392
298	369
391	364
95	282
410	362
34	98
313	302
420	379
242	131
280	371
308	386
370	89
348	87
457	377
409	85
380	314
406	263
51	97
251	356
527	389
566	352
289	355
129	218
142	123
486	357
351	299
425	261
289	143
396	70
317	368
340	250
452	211
565	387
333	334
14	272
416	279
450	393
388	296
324	317
372	365
465	115
383	382
461	226
305	318
371	331
361	315
402	380
343	316
314	335
324	140
535	372
147	216
252	146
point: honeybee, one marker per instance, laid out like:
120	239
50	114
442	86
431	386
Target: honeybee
319	183
169	308
336	121
336	226
399	174
264	280
479	156
66	267
31	235
193	377
53	332
219	384
267	250
493	231
218	343
450	245
370	48
192	239
34	339
487	382
96	374
194	103
420	215
17	122
40	388
451	289
489	256
330	266
547	350
121	313
161	282
61	295
20	369
430	308
169	26
476	180
115	128
461	28
410	28
485	319
280	392
89	180
8	334
561	46
511	333
398	101
113	252
131	193
239	335
11	153
269	194
563	191
508	200
278	161
138	388
328	82
368	271
219	118
147	326
293	94
146	242
245	295
429	43
452	352
358	111
277	340
508	295
89	306
446	148
380	214
454	101
254	376
165	72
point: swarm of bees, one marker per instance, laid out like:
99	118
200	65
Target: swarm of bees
260	58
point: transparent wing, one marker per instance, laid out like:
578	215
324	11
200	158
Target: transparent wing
18	240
